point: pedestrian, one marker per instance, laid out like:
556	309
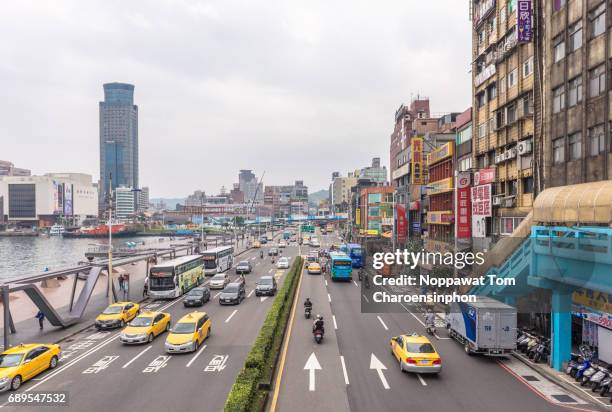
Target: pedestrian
145	287
120	280
41	317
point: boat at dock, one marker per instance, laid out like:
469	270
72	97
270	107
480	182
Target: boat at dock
101	231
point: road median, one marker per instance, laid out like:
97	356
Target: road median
250	390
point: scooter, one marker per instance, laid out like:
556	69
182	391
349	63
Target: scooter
588	373
318	335
586	364
307	311
598	377
431	329
581	362
541	351
605	386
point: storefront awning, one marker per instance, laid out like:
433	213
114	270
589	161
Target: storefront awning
585	203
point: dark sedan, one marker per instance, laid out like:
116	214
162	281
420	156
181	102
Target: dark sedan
244	267
233	294
266	285
273	252
197	296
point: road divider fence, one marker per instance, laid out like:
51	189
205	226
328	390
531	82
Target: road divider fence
250	390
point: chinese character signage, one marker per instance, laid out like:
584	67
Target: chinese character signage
481	200
484	176
463	207
417	161
441	153
402	223
523	19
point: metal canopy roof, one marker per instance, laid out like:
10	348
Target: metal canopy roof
585	203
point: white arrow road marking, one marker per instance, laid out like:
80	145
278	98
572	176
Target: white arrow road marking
231	316
251	293
136	357
383	323
325	282
335	324
194	357
263	298
378	365
346	380
312	364
421	379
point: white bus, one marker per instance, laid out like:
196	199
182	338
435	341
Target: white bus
218	260
174	277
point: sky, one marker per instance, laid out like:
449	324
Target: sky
298	89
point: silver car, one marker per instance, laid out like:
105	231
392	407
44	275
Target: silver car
219	281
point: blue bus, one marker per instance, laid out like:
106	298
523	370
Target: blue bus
340	266
354	251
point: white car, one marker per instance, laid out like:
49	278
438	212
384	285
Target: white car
219	281
283	263
282	244
314	242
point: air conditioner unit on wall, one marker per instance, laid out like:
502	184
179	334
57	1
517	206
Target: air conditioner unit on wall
496	200
499	159
524	147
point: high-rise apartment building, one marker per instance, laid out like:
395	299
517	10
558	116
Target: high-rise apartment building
118	139
504	80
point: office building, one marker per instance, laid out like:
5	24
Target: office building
142	199
125	207
341	191
287	200
249	185
375	172
118	139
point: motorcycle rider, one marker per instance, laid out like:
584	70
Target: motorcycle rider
307	303
430	319
319	324
261	254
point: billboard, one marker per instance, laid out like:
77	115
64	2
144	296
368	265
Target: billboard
441	153
523	21
68	209
402	223
484	176
417	161
479	227
481	200
463	209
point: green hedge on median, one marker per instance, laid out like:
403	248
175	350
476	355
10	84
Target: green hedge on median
260	360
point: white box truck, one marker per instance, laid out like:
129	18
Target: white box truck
486	326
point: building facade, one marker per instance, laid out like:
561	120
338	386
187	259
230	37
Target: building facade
124	205
142	197
374	215
252	189
341	191
118	139
9	169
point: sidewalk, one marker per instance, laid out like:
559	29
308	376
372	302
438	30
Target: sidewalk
564	381
28	331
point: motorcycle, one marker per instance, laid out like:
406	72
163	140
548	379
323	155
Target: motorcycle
541	351
605	386
431	329
586	364
318	335
598	377
588	373
307	312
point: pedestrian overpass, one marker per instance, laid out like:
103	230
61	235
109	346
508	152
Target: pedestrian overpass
564	244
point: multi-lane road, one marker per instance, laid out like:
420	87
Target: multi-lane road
99	373
353	368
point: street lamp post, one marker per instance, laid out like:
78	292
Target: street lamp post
394	226
110	240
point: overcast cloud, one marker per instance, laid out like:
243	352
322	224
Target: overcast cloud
298	89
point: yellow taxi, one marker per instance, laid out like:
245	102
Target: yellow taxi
145	327
257	244
25	361
117	315
415	353
314	268
188	333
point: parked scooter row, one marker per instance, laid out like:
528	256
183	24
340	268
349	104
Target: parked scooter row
590	372
536	347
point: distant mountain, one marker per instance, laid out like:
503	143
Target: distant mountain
316	197
170	203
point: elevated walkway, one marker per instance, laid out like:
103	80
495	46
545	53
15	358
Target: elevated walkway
565	244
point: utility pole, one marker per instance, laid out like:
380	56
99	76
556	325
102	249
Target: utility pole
202	215
110	239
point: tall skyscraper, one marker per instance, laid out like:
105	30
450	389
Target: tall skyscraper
118	139
248	184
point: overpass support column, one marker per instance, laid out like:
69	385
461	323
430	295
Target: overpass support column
561	319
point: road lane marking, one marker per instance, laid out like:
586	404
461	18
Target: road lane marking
383	323
366	298
355	283
335	324
194	357
231	316
346	379
263	298
421	379
379	366
136	357
286	345
325	282
270	271
329	297
312	364
217	294
250	293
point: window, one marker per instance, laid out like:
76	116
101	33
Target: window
480	99
559	150
575	91
558	4
482	130
528	184
575	36
511	6
492	92
502	16
528	105
481	36
596	140
491	124
512	78
501	119
559	49
575	146
511	113
465	164
597	81
508	224
598	20
558	99
502	85
528	67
